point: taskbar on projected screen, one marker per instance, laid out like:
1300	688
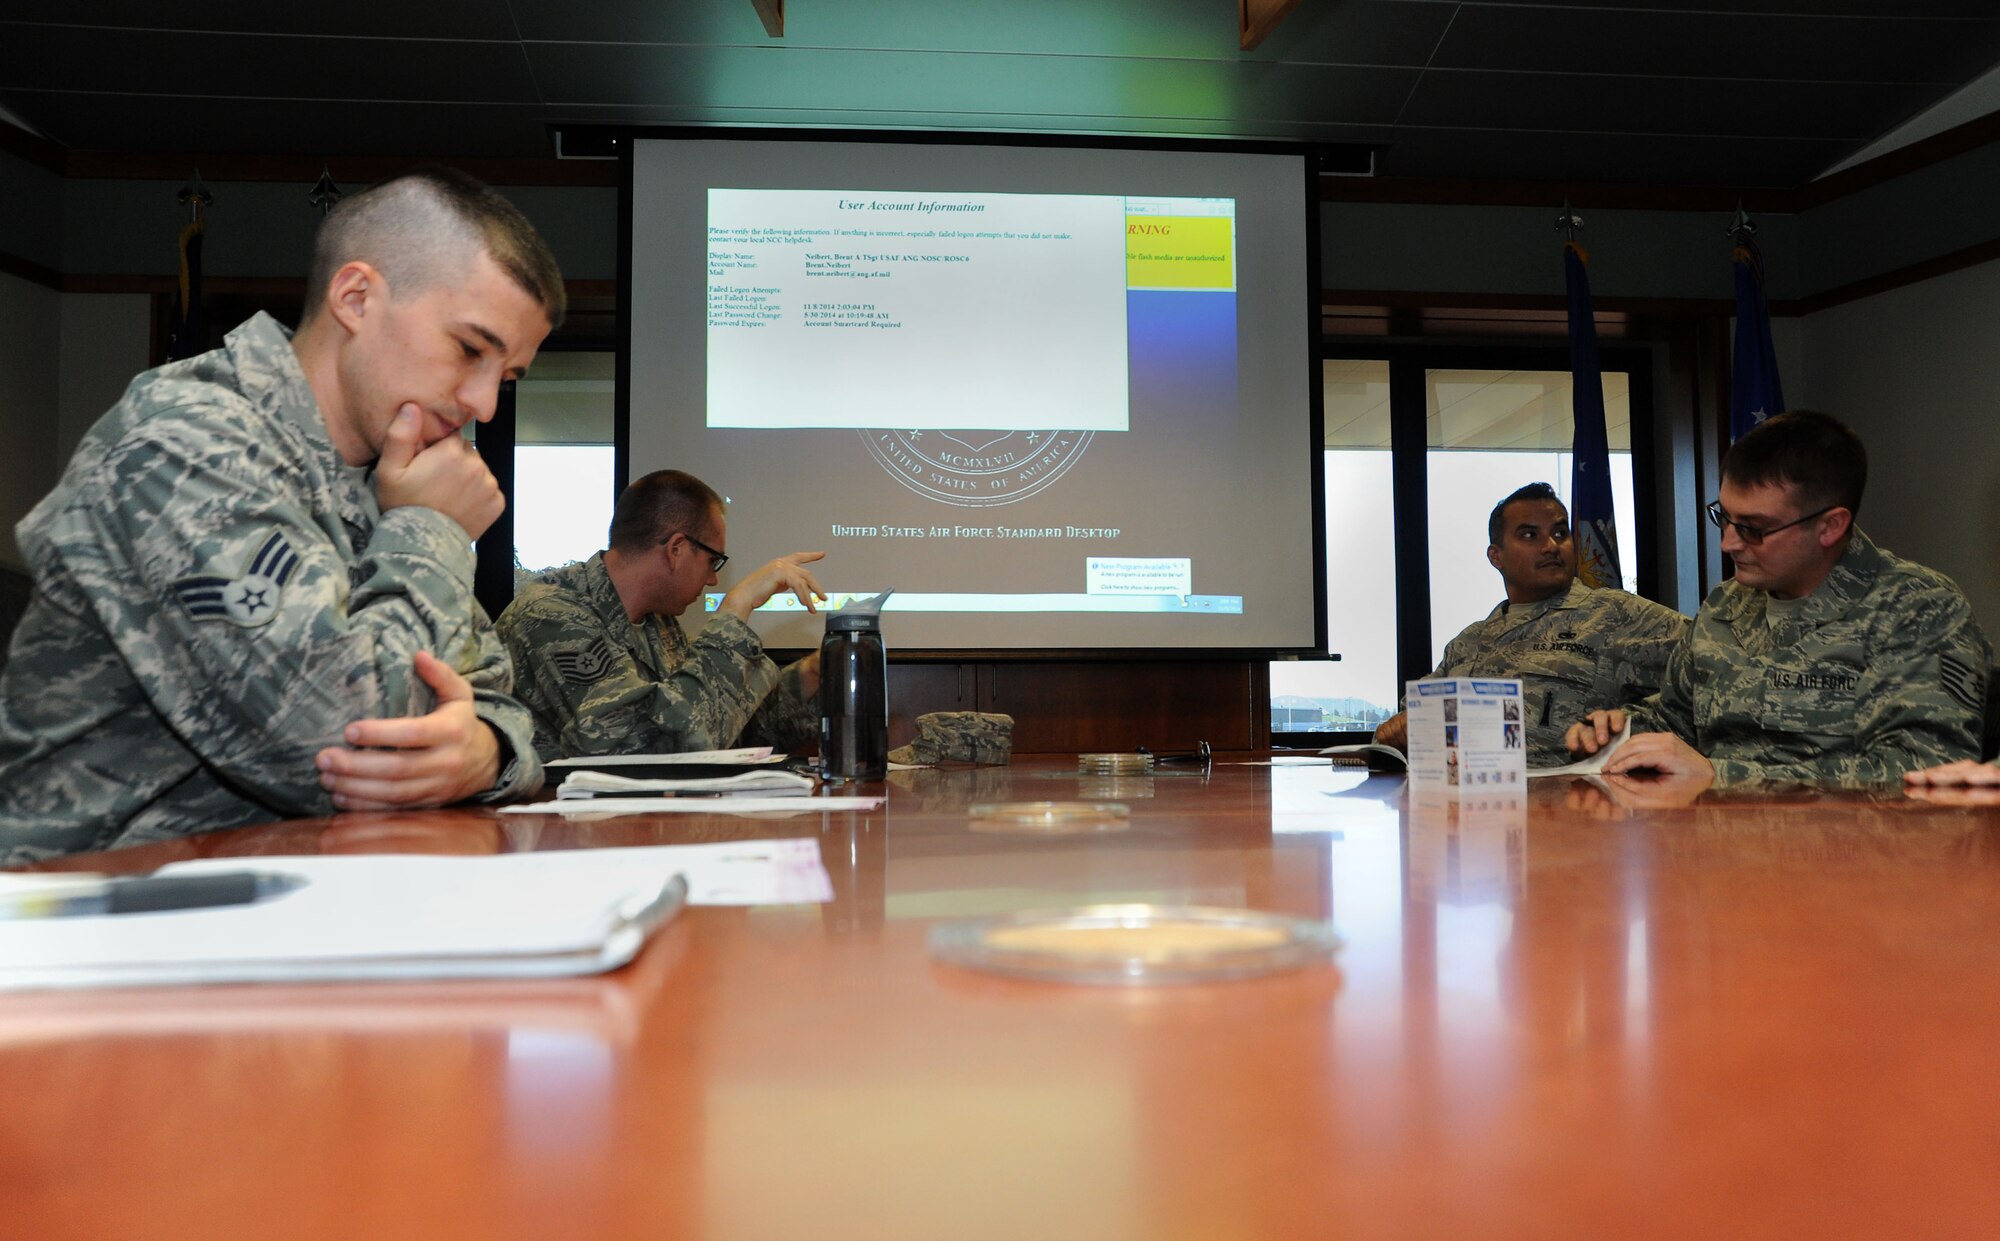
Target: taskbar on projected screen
1209	605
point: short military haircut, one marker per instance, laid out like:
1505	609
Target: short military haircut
659	506
1812	451
1496	525
422	229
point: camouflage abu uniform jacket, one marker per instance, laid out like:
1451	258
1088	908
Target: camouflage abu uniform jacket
599	684
1882	671
1573	652
217	596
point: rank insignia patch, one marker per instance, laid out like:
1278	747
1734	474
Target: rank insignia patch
249	600
587	666
1965	683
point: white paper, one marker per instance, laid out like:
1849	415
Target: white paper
1378	757
762	807
748	754
1586	766
771	783
403	916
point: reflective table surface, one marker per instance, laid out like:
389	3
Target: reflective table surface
1554	1015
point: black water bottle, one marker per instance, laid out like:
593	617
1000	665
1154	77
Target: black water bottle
853	698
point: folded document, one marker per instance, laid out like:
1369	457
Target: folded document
1586	766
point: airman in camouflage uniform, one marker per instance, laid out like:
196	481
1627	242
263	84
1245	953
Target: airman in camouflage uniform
603	663
1573	647
598	682
1826	659
1879	671
1582	649
231	623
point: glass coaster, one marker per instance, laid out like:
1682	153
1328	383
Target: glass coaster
1050	818
1122	764
1114	788
1134	945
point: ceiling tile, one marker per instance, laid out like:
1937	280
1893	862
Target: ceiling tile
1508	156
1596	103
806	84
433	19
1970	10
1192	29
302	127
1362	32
1718	44
260	66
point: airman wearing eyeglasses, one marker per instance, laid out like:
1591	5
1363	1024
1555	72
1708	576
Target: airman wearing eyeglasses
1826	659
604	666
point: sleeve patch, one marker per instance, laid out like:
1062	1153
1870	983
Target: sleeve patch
1965	683
248	600
587	666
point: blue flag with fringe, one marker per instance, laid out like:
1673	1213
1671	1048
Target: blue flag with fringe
1754	393
1592	523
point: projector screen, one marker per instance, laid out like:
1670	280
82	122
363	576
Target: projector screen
1058	398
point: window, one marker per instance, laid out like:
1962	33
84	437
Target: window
1488	432
1357	691
564	467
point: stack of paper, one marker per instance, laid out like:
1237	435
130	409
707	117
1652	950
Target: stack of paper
514	915
745	781
692	765
768	782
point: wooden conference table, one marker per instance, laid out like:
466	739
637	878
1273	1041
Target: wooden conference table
1551	1018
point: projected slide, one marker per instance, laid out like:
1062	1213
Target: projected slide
990	311
1059	399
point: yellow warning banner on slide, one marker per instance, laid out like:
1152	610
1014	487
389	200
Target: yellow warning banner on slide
1180	252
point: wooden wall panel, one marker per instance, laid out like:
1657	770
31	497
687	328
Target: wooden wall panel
1162	705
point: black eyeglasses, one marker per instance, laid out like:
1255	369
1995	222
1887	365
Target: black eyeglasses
1754	535
716	559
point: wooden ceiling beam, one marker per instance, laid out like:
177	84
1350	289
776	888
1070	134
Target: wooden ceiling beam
1259	18
772	14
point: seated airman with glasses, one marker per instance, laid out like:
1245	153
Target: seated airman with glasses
1825	659
601	660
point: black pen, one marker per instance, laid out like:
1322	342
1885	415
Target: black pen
145	894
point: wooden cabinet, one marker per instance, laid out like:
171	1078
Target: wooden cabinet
918	689
1064	707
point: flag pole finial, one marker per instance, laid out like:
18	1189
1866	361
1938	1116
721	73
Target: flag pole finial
1569	223
1741	226
196	196
325	194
